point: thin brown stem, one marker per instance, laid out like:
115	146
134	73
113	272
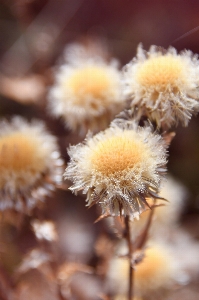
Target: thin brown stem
140	242
130	247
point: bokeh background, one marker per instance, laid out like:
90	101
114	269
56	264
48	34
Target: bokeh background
33	35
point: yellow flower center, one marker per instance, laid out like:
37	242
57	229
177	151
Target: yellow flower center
91	80
118	153
161	72
21	152
153	262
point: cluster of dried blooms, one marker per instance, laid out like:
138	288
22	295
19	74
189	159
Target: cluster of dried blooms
128	116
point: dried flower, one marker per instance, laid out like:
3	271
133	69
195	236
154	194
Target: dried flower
78	52
156	271
118	168
30	164
163	85
86	93
155	274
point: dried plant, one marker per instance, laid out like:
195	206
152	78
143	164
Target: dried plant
130	245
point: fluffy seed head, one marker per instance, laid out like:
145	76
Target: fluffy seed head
20	152
28	156
163	85
87	94
155	270
118	168
154	275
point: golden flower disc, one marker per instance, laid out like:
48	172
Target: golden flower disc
90	80
117	154
160	71
21	152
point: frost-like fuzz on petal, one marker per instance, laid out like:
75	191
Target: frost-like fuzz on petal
30	164
163	85
118	168
87	92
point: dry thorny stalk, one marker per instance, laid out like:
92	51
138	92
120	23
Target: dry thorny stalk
120	166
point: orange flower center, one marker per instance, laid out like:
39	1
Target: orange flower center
161	72
90	80
118	153
21	152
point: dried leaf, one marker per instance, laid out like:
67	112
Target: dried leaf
168	137
26	90
104	216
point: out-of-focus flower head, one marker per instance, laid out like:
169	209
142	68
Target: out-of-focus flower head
166	214
154	276
163	85
30	164
87	91
119	167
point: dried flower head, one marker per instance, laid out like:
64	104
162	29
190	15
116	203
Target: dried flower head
156	271
86	93
78	52
30	164
163	85
155	274
118	168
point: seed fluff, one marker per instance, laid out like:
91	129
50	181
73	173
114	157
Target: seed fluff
30	164
87	93
118	168
163	85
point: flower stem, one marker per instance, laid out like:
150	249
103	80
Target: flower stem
130	247
142	239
